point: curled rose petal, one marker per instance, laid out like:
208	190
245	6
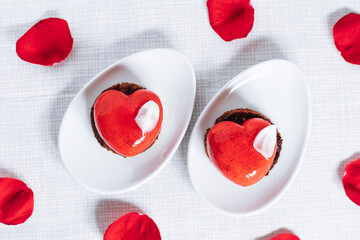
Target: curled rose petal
133	226
347	37
351	181
16	201
285	236
231	19
47	42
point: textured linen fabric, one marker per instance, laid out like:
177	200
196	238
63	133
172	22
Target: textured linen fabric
33	100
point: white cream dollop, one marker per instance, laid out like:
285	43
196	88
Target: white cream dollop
265	141
148	116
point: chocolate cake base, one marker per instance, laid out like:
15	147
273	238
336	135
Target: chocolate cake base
239	116
126	88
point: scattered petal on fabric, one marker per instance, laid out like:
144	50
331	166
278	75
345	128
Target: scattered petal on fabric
231	19
47	42
16	201
133	226
285	236
351	181
347	37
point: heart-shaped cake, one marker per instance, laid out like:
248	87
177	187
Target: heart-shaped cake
243	145
127	119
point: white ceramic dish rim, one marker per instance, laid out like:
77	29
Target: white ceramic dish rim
297	167
177	144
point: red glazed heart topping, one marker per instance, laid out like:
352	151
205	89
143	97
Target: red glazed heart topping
16	201
243	153
128	124
231	19
47	42
285	236
133	226
347	37
351	181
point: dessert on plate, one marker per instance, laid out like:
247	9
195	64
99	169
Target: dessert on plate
244	145
126	119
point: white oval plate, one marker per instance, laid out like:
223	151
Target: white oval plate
165	72
277	89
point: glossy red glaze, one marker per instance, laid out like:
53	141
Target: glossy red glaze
230	148
133	226
351	181
114	115
286	236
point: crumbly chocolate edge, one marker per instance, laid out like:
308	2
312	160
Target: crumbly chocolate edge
239	116
126	88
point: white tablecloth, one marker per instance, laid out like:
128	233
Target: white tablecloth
33	100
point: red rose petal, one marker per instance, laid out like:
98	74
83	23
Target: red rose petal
347	37
133	226
231	19
285	236
351	181
16	201
47	42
